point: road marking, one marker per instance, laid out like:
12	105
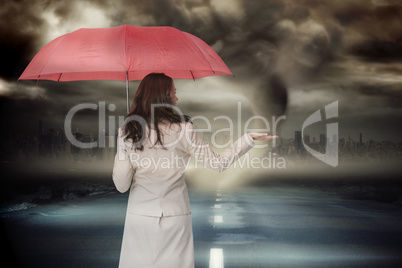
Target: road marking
216	258
216	254
218	219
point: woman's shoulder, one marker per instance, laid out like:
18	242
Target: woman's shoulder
186	126
186	123
176	127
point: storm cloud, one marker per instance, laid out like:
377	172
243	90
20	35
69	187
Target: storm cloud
287	56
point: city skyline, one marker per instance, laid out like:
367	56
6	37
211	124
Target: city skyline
54	140
290	135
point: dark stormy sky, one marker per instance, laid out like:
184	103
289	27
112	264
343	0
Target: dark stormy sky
289	58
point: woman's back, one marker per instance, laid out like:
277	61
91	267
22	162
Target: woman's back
159	184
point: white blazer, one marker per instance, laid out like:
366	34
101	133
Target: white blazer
155	176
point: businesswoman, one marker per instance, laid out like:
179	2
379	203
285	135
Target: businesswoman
154	147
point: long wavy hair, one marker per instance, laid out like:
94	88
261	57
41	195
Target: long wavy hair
153	95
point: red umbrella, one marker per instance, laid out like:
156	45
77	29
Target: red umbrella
124	53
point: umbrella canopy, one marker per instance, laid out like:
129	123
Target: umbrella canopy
124	53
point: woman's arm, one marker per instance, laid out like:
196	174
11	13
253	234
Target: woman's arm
208	157
123	171
261	136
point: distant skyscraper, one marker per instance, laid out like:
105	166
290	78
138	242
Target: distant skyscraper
323	140
298	140
361	138
307	138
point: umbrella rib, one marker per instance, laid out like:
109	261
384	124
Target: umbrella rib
58	80
61	40
200	50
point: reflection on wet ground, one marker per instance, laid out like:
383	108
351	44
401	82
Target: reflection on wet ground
275	226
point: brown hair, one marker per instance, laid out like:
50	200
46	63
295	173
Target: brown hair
154	89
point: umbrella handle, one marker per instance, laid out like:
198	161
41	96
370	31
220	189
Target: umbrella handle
128	105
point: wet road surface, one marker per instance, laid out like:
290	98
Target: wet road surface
276	226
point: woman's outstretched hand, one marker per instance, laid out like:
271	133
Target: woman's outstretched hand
261	136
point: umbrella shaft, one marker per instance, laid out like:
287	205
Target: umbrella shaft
128	105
